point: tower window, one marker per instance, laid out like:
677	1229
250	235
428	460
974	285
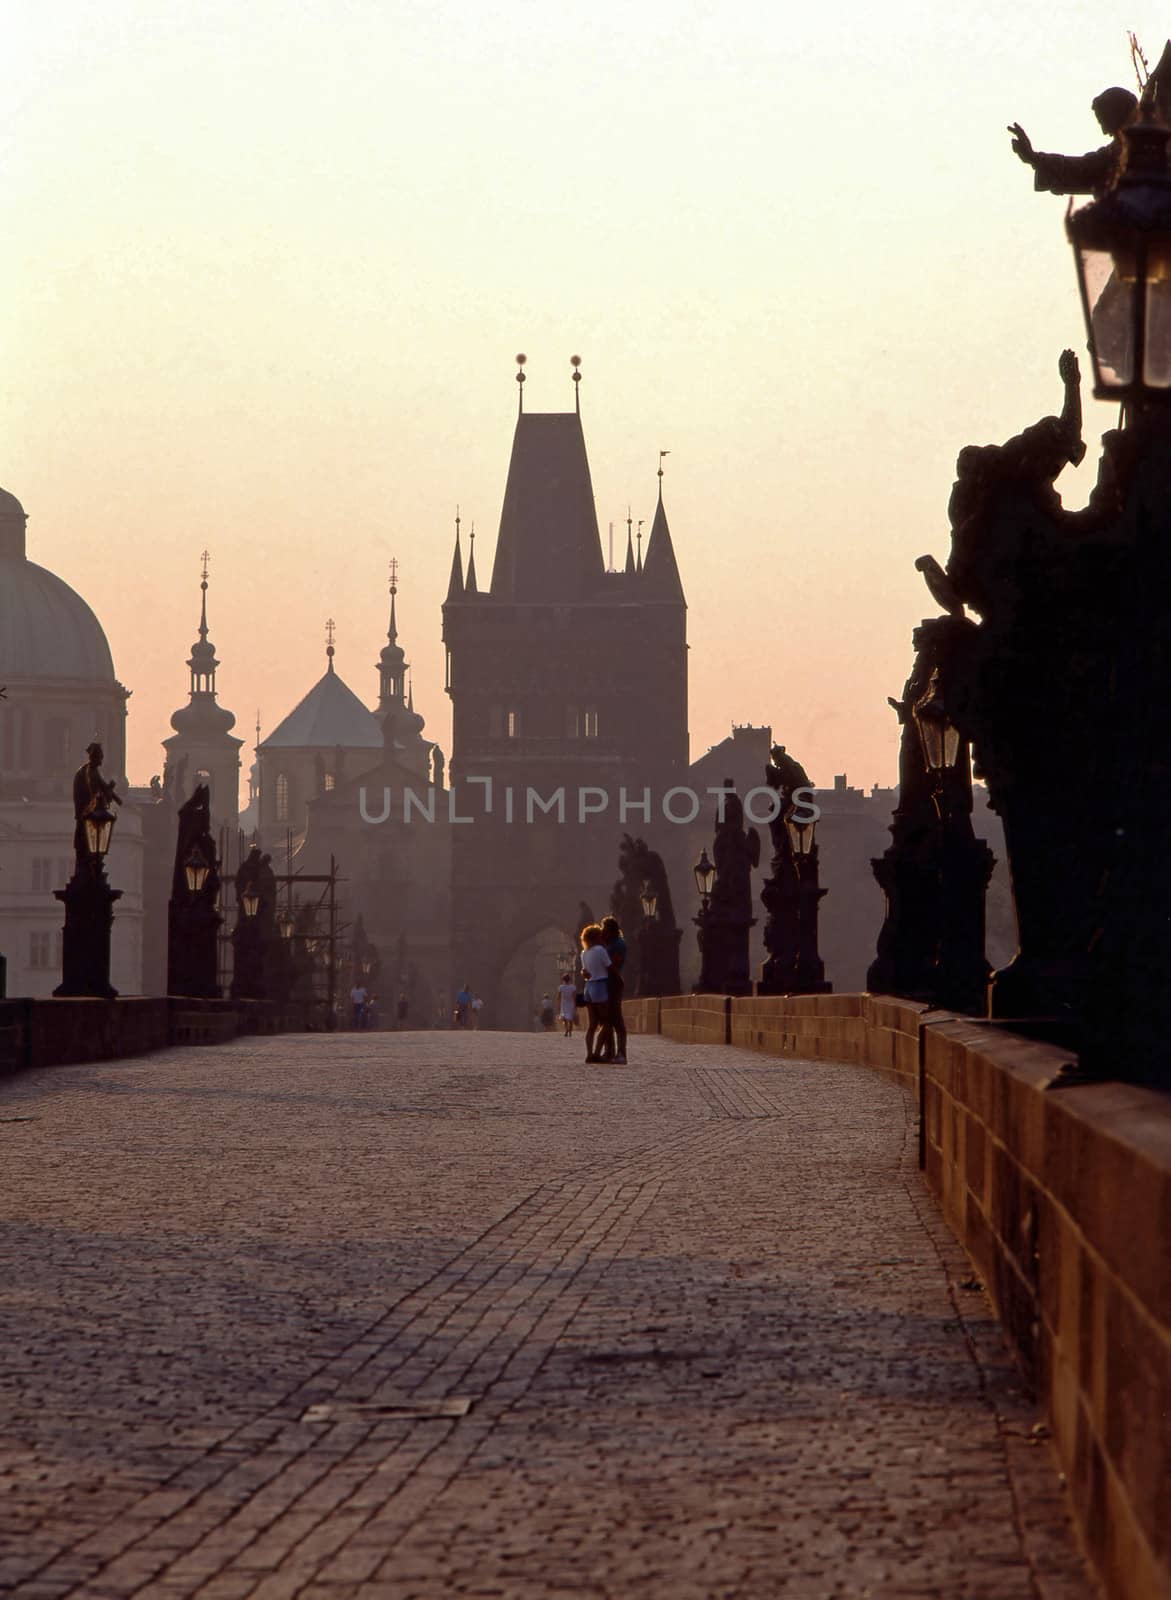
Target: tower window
330	782
513	724
590	724
282	797
38	949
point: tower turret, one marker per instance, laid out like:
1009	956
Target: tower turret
202	749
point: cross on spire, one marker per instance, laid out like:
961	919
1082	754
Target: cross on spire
394	574
662	453
330	627
205	557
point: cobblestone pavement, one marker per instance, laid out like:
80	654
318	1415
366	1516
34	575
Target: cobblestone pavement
379	1316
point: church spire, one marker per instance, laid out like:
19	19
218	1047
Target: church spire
631	569
392	631
392	663
661	570
470	586
203	661
455	585
201	738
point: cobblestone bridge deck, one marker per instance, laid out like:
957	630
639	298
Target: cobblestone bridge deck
429	1314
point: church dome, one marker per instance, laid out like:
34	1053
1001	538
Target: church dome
46	629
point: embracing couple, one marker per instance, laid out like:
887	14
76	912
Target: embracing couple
603	956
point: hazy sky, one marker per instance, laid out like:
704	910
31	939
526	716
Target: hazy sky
266	268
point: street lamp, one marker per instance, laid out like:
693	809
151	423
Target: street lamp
250	901
938	735
286	922
650	900
195	869
801	835
705	877
99	825
1122	249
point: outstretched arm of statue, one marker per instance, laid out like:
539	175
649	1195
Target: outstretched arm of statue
1071	411
1021	144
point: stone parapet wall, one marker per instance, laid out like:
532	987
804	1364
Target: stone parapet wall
1062	1199
55	1033
874	1029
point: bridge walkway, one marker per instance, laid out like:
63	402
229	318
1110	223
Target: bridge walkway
380	1316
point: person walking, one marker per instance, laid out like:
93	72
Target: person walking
474	1010
358	999
546	1013
463	1001
595	964
615	946
400	1014
567	1003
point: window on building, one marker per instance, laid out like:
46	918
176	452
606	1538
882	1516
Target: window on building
513	724
282	797
38	949
590	724
42	874
330	781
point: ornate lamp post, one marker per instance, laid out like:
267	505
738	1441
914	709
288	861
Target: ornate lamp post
89	902
250	934
193	918
809	973
705	882
1122	250
792	893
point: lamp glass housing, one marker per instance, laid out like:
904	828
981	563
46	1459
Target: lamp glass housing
1108	279
1122	250
196	869
286	923
99	825
650	902
705	875
250	902
801	836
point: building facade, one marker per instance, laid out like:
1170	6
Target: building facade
60	694
568	686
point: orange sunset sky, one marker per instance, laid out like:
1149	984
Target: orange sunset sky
266	268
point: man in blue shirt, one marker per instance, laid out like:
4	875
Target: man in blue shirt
463	1000
615	946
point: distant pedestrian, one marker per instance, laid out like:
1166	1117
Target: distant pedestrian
358	1001
463	1001
547	1015
476	1007
400	1012
595	964
616	949
567	1000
